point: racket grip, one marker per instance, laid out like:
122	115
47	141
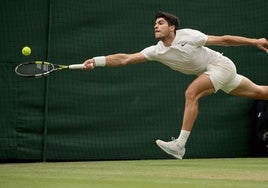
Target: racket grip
77	66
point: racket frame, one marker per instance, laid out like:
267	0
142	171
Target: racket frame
55	67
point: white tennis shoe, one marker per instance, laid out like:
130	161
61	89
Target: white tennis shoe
172	148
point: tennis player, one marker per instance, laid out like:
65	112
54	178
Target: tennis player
184	50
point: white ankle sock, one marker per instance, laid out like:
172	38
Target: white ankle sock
184	135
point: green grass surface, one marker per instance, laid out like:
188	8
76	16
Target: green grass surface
218	173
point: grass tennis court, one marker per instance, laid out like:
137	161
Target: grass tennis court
234	172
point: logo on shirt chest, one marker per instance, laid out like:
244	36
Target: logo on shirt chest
183	44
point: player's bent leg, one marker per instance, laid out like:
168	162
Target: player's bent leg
200	87
251	90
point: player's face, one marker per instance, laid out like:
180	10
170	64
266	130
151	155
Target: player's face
161	29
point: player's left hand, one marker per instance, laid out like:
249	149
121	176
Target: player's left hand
262	44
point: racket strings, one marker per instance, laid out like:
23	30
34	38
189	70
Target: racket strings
34	69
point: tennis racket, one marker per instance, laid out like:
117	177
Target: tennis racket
38	69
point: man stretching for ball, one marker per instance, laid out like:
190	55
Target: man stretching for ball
184	50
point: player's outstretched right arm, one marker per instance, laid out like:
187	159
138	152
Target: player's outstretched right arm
114	60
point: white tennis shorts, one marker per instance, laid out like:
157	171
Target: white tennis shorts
223	75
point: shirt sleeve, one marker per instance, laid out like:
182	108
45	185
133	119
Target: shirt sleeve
198	38
148	52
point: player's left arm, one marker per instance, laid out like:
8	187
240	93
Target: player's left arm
229	40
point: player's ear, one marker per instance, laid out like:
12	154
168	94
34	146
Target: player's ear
172	28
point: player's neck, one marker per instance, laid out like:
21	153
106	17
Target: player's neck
167	41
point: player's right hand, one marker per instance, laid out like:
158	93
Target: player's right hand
89	64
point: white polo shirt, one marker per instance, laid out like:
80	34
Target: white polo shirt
186	54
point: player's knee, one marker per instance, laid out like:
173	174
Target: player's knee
262	93
190	95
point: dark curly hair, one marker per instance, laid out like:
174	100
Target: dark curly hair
170	18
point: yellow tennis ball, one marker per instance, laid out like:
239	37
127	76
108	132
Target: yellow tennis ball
26	51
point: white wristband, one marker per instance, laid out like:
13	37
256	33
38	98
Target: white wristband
100	61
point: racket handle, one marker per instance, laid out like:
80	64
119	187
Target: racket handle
77	66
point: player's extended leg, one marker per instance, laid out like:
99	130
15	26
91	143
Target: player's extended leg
200	87
250	90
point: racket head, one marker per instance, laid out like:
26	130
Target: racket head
37	68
